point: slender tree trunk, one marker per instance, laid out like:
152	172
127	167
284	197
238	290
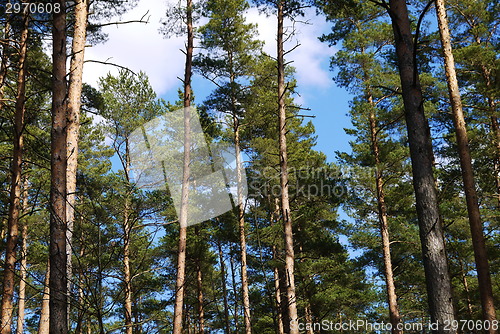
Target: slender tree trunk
227	328
277	294
73	126
4	59
495	128
21	305
43	325
430	225
15	190
58	279
383	225
308	318
235	292
126	268
199	288
81	300
476	225
241	221
183	215
285	204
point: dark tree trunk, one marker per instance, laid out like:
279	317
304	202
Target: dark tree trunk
430	225
58	260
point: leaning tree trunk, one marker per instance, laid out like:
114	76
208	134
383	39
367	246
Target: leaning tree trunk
58	278
15	190
73	125
476	225
430	224
183	218
392	298
291	300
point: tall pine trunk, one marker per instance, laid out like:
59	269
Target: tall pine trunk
21	305
285	203
199	288
43	323
430	225
58	279
476	225
392	298
183	218
126	265
241	223
15	190
73	125
227	327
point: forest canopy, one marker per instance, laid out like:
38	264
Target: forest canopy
123	210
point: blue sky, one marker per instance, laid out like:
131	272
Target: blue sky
141	47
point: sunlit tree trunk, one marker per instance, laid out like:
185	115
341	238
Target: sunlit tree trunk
43	324
227	327
383	225
430	225
15	190
241	223
285	203
73	125
183	218
476	225
126	266
235	292
277	295
21	305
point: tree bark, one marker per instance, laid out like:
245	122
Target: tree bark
277	294
241	223
201	310
43	325
392	298
235	292
476	225
227	328
15	190
58	278
21	305
4	62
430	225
183	215
285	204
73	126
126	266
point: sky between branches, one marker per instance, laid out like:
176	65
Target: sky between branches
140	46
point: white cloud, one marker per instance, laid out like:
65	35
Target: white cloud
311	58
139	46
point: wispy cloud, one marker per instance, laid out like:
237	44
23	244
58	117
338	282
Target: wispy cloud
140	46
